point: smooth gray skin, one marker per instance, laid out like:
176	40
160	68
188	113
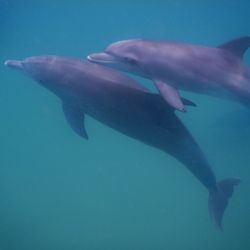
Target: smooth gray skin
122	104
178	66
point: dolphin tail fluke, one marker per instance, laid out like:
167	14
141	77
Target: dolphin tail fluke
218	199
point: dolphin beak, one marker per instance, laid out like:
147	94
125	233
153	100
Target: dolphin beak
101	58
14	64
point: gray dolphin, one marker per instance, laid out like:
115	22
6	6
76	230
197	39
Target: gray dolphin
122	104
172	66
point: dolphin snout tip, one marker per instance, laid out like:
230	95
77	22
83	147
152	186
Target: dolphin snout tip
93	57
89	58
6	63
15	64
101	57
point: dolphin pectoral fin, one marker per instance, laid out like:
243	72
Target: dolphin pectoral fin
75	118
237	46
170	95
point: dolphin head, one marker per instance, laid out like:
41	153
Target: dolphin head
43	69
127	55
38	67
49	71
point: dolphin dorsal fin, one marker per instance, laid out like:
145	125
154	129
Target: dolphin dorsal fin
237	46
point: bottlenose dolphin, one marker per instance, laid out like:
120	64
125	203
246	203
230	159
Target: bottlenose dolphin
122	104
172	66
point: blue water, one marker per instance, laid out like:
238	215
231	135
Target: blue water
59	192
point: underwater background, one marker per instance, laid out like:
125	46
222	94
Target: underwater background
58	191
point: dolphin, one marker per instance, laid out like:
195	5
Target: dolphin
177	66
124	105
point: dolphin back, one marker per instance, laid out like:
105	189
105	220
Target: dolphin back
107	74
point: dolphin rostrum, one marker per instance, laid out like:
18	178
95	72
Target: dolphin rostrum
124	105
178	66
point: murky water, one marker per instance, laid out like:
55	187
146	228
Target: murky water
58	191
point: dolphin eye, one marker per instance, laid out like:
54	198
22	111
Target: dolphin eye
130	60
